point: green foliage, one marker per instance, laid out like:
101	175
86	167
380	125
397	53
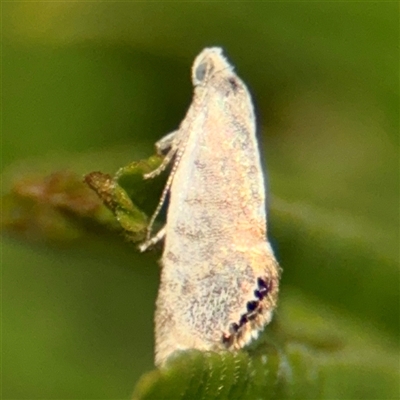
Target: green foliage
127	194
289	373
56	208
91	87
308	352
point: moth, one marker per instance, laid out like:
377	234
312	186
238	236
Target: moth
219	276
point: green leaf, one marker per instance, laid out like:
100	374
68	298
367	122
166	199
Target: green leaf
306	353
55	208
127	193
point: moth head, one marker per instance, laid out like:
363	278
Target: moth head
208	63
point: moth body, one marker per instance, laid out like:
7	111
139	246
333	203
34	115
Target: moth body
219	277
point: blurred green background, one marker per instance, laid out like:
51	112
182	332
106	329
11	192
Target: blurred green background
91	86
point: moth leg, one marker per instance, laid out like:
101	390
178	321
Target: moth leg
163	145
153	240
159	206
176	142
